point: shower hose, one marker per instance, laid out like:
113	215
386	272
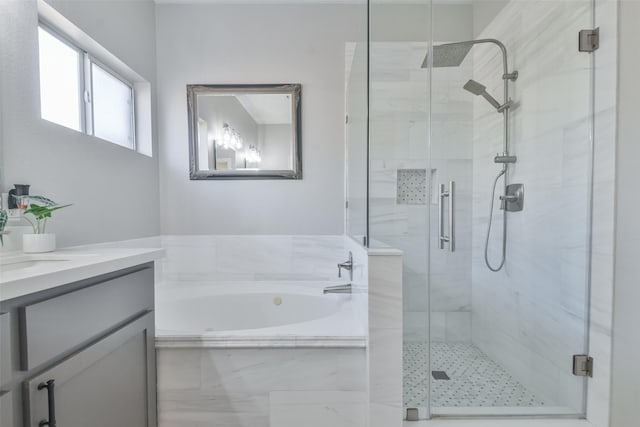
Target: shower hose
504	229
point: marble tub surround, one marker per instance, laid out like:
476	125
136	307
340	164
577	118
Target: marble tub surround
255	375
214	258
22	274
250	387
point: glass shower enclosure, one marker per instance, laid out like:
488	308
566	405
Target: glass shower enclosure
479	168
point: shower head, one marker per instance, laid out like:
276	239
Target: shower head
450	54
480	90
474	87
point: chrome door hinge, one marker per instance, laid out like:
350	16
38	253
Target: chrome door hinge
589	40
582	365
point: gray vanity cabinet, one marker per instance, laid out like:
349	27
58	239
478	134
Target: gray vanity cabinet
104	385
81	354
6	409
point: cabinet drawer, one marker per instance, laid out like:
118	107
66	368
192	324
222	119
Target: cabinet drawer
5	349
59	324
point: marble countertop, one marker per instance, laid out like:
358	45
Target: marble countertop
23	274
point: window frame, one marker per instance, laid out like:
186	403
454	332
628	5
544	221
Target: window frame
92	60
85	85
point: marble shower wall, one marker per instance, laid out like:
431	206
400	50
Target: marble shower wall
400	179
451	160
531	316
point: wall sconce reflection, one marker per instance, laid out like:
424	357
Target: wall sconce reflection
231	139
252	156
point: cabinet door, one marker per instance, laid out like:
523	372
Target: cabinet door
6	409
110	383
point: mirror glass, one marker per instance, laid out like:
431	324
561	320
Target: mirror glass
244	132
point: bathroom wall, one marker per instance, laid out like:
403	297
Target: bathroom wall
200	43
626	346
531	316
114	191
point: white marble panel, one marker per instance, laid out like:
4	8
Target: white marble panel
317	409
216	258
385	338
231	387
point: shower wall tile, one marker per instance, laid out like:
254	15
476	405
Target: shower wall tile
399	136
530	317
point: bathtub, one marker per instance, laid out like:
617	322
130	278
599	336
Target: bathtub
258	314
258	353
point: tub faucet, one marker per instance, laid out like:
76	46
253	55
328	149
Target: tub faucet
340	289
347	265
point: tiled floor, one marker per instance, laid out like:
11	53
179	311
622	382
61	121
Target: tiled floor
475	380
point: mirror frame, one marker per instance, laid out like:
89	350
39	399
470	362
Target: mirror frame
295	90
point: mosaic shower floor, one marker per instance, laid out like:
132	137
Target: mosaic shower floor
474	379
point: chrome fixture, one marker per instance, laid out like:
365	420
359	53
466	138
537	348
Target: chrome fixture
480	90
504	159
347	265
452	55
339	289
450	238
513	200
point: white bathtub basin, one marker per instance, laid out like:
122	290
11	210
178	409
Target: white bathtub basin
258	314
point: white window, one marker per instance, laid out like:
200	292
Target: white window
112	101
79	93
60	81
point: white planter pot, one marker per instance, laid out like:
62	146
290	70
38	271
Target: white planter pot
38	243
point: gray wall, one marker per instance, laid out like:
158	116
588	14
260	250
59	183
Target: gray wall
114	190
626	317
222	44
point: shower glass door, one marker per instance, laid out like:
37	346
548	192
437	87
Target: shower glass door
508	304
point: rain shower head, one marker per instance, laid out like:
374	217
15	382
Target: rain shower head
480	90
450	54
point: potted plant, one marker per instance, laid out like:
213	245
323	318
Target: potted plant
4	217
40	240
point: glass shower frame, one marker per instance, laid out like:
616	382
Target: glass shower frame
374	183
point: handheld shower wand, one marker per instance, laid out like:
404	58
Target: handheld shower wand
452	55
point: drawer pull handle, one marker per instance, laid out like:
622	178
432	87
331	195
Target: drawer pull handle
50	386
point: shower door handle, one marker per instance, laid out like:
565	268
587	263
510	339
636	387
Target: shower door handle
450	238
